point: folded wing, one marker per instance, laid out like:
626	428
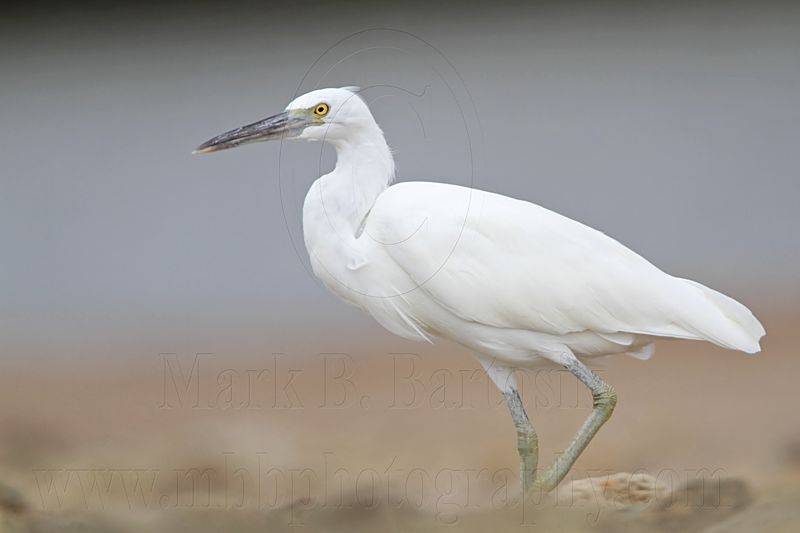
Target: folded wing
507	263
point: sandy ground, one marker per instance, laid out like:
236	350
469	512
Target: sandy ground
405	441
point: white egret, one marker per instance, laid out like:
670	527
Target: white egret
515	283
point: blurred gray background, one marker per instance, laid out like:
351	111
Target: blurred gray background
674	128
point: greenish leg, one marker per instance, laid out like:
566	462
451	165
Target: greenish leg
527	440
604	398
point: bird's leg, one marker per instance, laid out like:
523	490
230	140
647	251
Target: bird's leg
604	398
527	440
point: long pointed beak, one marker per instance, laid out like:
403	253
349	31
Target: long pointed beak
286	124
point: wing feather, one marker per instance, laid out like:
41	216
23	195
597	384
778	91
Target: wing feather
507	263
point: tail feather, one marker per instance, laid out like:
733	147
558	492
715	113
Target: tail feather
725	321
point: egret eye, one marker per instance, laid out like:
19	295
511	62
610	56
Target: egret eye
321	110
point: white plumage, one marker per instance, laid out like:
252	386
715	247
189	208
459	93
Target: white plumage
505	277
514	282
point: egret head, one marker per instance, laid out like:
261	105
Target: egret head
332	115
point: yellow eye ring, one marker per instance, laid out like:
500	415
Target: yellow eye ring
321	109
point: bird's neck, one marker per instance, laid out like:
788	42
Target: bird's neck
364	169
